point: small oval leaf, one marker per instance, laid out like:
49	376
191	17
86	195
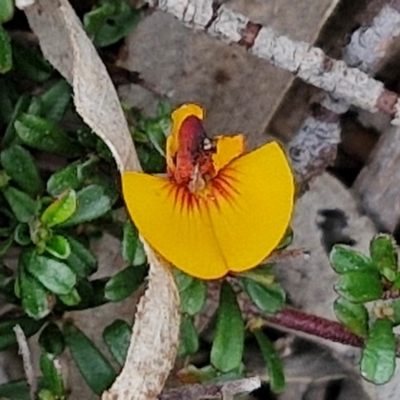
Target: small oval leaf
21	168
378	359
193	297
189	340
354	316
23	206
226	354
6	61
44	135
52	375
269	299
55	101
81	260
91	203
273	361
6	10
60	210
54	275
51	340
360	286
124	283
94	367
344	259
384	255
58	246
36	300
117	337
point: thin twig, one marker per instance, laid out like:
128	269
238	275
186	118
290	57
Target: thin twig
26	360
222	391
303	60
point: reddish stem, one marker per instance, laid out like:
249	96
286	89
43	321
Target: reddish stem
318	326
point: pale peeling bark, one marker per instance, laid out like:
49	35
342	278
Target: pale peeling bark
369	45
314	146
155	334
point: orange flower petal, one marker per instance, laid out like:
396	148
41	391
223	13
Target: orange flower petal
179	231
252	219
178	116
233	231
228	148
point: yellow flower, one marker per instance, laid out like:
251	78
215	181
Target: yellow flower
218	210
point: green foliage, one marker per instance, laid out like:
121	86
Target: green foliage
379	355
226	354
111	21
94	367
5	51
354	316
117	337
364	279
273	361
51	215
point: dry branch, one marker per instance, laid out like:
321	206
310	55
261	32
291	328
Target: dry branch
303	60
155	334
314	146
221	391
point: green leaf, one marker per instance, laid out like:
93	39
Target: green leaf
183	281
51	340
226	353
81	260
91	203
273	361
189	341
344	260
117	26
58	246
156	136
10	134
60	210
54	275
378	359
193	297
52	376
70	177
354	316
117	337
44	135
71	299
360	286
36	300
130	242
21	168
30	63
16	390
5	51
262	275
22	234
55	101
96	18
286	240
22	205
384	255
6	10
269	299
124	283
94	367
7	334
